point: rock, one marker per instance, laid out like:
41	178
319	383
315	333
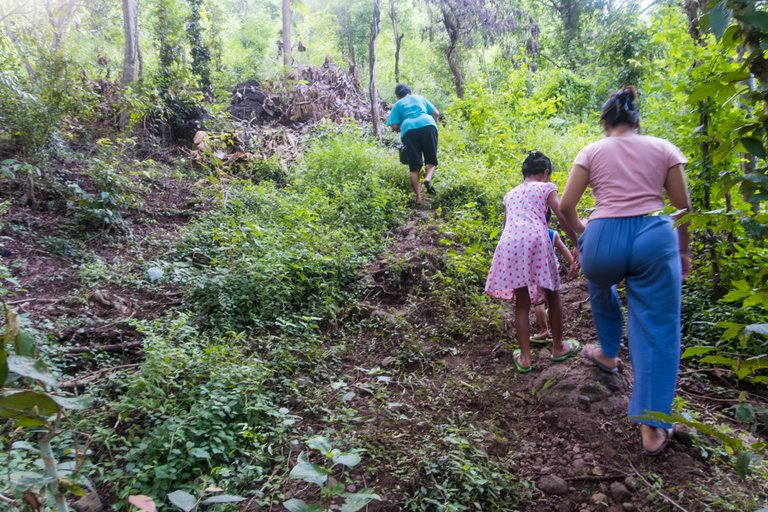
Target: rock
599	499
553	484
628	506
620	492
88	503
579	466
631	482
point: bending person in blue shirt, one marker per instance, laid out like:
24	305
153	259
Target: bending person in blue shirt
415	118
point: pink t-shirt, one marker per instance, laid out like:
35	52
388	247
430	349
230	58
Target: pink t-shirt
627	173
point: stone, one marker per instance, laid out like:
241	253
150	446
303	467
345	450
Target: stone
628	506
553	484
620	492
88	503
599	499
631	482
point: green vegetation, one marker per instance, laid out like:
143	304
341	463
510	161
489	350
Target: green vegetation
225	294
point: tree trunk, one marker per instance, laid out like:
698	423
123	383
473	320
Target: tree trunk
452	27
375	28
131	54
131	46
286	33
398	38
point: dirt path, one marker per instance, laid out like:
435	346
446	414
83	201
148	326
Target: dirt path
560	432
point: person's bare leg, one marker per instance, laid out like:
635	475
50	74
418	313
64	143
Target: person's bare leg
430	170
556	322
540	313
522	327
415	185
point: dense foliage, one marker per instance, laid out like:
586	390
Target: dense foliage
269	268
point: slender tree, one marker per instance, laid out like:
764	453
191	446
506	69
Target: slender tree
398	37
287	33
201	56
375	29
131	44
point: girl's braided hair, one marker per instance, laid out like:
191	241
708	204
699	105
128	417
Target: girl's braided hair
536	163
621	108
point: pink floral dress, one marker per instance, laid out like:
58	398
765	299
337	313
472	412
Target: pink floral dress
524	256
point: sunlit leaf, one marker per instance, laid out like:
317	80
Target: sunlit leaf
182	500
319	443
355	501
311	473
223	498
347	459
26	367
142	502
695	351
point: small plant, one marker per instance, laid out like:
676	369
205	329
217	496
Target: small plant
331	487
186	501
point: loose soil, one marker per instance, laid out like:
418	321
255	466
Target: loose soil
564	422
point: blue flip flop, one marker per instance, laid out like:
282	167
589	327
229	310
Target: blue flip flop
588	357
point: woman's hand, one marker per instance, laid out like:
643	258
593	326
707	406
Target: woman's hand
573	270
685	264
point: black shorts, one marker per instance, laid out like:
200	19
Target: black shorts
421	141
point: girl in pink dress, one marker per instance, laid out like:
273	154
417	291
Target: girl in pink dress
524	267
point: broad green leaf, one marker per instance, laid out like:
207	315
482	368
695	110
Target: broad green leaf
222	498
357	500
142	502
27	403
751	365
296	505
199	453
319	443
695	351
757	19
25	366
723	151
347	459
25	344
704	91
719	19
719	360
735	76
182	500
311	473
74	403
754	146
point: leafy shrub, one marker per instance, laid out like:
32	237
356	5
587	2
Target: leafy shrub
284	256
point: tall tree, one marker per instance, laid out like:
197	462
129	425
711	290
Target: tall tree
286	33
375	29
131	44
398	38
201	56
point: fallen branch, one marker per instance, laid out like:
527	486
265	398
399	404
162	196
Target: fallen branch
94	376
115	347
6	499
620	476
657	491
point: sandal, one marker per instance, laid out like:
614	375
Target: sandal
541	338
668	434
573	347
520	368
587	355
428	185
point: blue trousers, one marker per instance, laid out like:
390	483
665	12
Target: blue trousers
644	251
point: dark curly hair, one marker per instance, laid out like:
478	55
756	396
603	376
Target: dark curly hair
536	163
621	108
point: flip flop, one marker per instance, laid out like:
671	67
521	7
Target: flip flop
541	338
591	359
520	368
668	434
573	347
428	185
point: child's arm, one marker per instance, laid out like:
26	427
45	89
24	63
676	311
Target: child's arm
563	249
554	204
573	267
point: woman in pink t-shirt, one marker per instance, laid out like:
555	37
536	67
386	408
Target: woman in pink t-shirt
628	174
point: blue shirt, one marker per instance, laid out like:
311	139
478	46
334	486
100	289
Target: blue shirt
412	112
